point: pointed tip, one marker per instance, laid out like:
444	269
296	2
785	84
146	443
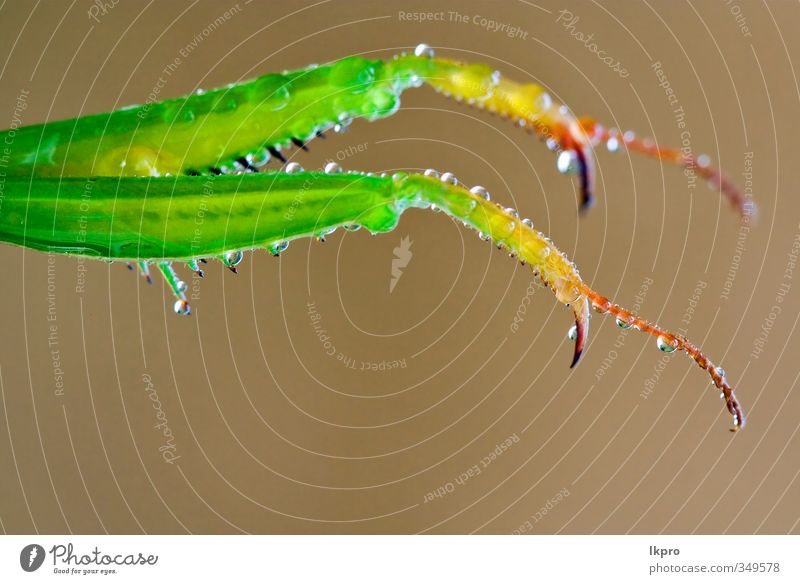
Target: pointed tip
233	269
576	357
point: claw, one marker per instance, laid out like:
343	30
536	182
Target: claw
581	309
586	172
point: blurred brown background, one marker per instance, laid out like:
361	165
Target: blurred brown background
273	435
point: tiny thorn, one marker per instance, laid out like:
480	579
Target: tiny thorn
215	171
233	269
300	144
277	154
203	261
321	134
130	266
149	279
246	164
200	273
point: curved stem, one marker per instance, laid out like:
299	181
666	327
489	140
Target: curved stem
670	342
699	165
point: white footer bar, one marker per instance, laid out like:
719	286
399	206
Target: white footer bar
402	559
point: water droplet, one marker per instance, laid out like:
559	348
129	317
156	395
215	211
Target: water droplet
278	247
665	345
181	286
182	307
481	192
293	167
543	102
513	212
449	178
703	161
722	395
483	236
527	223
629	136
572	334
506	230
344	121
612	144
232	258
623	324
721	372
352	227
423	50
260	158
399	176
431	173
551	144
332	168
435	209
567	161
